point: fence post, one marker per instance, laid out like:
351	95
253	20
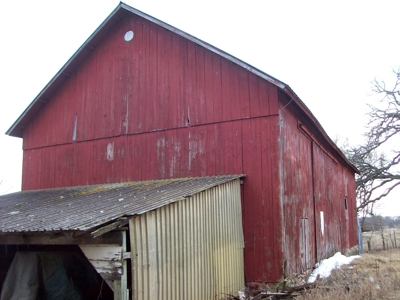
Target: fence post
360	238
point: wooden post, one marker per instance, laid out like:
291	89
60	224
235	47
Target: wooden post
109	261
121	291
394	236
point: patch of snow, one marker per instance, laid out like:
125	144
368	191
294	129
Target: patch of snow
325	267
242	295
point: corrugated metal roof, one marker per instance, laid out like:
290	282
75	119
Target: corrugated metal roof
86	207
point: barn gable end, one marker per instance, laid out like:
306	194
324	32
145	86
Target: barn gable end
167	105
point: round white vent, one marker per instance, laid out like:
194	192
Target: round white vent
128	35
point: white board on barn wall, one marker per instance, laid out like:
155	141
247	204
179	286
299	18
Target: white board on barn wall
322	222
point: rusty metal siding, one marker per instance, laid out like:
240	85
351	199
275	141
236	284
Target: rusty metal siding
192	249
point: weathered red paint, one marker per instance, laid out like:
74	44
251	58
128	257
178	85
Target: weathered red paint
316	184
162	106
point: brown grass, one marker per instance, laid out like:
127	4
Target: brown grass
390	237
375	275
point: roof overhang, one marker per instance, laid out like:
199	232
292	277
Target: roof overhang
316	123
63	215
90	44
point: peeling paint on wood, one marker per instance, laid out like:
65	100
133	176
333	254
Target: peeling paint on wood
314	184
103	253
182	110
110	151
109	263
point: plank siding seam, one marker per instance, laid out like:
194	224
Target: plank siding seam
308	134
147	132
171	106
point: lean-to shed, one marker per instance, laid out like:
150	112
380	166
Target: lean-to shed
183	239
142	100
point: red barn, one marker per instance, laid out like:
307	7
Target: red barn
141	100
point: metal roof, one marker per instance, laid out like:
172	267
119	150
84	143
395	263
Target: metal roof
83	208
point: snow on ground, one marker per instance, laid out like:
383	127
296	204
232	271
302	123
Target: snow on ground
324	268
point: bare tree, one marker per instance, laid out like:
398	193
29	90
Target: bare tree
378	165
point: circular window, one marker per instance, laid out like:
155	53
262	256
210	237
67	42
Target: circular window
128	35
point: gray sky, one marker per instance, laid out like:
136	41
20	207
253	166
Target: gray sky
327	51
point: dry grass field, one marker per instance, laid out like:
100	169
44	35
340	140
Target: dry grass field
387	238
376	275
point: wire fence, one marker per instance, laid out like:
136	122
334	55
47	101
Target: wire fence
384	239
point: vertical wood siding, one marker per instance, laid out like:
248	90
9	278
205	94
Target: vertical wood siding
331	190
315	186
298	204
192	249
163	107
241	147
157	81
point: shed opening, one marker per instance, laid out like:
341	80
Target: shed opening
50	272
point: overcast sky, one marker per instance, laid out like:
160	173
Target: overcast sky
328	52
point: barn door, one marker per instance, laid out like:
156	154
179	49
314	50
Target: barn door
306	240
329	218
298	198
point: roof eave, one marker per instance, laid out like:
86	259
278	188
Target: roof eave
316	123
43	97
89	45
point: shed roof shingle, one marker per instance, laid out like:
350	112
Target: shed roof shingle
86	207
